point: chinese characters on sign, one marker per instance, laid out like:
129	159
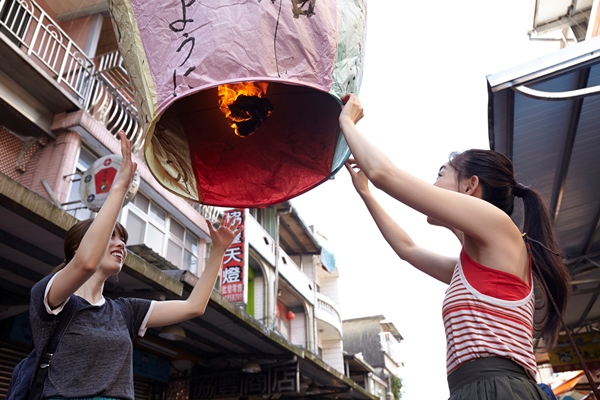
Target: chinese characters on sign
272	381
563	357
232	273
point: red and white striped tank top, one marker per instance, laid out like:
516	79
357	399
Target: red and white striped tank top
488	313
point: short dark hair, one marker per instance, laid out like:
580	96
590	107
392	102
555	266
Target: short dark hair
76	233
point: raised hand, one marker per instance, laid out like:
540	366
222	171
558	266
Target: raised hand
359	179
128	167
224	235
352	109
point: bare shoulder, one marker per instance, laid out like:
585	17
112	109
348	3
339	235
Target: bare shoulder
504	251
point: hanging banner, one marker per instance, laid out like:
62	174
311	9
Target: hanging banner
233	276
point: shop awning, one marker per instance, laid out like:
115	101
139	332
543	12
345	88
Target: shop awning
545	116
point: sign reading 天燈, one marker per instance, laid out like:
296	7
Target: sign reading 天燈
234	262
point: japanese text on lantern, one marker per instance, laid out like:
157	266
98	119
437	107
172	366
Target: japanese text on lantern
186	45
232	273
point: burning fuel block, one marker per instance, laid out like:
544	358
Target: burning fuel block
242	148
244	106
248	112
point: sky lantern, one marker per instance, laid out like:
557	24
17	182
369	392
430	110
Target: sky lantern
240	100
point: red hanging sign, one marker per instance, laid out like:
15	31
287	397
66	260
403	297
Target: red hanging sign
232	270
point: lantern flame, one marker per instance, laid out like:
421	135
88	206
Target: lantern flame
244	106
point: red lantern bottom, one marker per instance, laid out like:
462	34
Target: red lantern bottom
296	148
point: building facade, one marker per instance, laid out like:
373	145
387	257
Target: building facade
375	340
272	327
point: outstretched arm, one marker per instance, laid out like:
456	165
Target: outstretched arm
477	219
92	248
173	311
434	265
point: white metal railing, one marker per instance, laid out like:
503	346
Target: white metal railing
109	107
111	100
111	65
28	26
324	304
105	92
211	213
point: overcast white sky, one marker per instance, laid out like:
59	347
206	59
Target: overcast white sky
425	95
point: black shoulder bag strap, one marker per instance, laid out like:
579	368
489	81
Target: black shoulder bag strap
37	385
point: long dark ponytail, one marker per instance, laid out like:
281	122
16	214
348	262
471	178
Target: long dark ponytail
547	259
499	186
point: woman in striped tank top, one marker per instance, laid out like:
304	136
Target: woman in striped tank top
489	304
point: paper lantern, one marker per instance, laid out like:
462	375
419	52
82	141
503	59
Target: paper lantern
98	179
284	64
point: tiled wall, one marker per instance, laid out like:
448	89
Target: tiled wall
35	160
14	154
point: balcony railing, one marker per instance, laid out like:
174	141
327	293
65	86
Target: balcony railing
329	322
111	99
30	28
101	87
324	304
111	66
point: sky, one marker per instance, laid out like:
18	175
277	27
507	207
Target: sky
425	95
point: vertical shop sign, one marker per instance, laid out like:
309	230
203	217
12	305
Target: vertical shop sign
234	261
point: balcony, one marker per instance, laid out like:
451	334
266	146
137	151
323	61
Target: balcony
44	73
41	58
111	98
329	321
264	244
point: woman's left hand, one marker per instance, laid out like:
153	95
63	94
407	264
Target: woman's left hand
128	167
172	311
226	233
359	179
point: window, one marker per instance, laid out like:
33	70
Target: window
136	227
146	224
190	259
182	249
149	224
267	218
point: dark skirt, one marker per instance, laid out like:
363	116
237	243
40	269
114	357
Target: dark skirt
493	379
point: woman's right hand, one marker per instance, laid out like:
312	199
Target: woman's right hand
359	179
